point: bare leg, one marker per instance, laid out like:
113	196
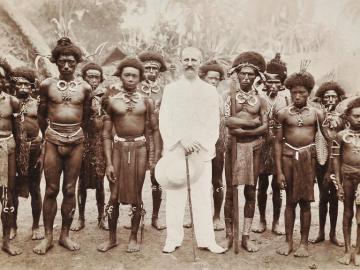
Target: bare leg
7	213
81	195
71	174
100	201
357	249
333	212
277	202
156	198
218	189
262	198
229	204
134	245
34	188
349	190
323	203
13	230
249	208
305	220
53	165
113	215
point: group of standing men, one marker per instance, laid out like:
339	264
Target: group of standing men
81	130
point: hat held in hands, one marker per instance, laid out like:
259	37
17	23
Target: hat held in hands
170	171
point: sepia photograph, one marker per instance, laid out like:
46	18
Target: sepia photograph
180	134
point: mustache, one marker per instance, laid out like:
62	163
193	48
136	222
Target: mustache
188	68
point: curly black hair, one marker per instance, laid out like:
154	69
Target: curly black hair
65	46
130	62
92	65
304	79
352	104
212	65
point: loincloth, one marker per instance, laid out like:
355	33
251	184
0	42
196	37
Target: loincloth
93	163
129	159
243	170
64	134
23	182
267	164
300	185
7	147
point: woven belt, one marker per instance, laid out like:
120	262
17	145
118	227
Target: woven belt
6	138
65	135
136	139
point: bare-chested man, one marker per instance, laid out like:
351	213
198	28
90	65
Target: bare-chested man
213	73
9	117
152	87
275	76
295	157
63	110
329	95
249	124
93	165
24	83
132	117
346	163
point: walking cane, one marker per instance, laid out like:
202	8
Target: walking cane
190	205
235	213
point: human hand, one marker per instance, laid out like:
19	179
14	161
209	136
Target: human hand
281	181
110	173
340	193
190	146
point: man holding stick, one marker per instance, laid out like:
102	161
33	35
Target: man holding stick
189	124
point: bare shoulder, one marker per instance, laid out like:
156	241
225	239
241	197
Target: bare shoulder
14	102
47	82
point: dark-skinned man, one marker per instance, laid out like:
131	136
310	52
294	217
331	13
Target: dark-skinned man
63	112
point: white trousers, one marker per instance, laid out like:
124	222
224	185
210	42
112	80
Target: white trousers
176	201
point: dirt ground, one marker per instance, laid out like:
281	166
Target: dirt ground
323	255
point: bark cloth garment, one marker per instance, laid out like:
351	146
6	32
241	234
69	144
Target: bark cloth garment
34	173
300	184
243	170
129	157
64	134
93	163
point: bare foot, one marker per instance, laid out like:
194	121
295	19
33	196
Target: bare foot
133	246
285	249
346	259
302	251
357	259
318	239
44	246
69	244
11	249
336	242
37	234
218	225
276	229
187	225
260	228
78	225
248	245
229	241
13	233
156	224
103	224
107	245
